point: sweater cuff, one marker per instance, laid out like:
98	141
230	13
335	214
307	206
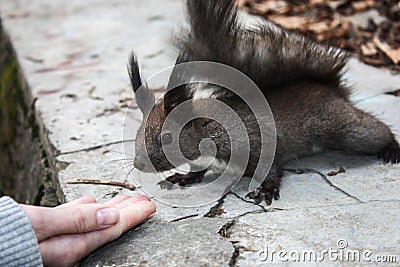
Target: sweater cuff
18	243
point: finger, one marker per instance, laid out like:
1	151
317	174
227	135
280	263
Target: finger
82	200
118	199
135	214
72	218
66	250
48	222
83	218
131	200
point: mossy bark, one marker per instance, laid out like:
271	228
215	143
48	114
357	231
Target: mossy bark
25	173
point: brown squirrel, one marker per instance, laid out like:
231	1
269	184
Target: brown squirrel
301	79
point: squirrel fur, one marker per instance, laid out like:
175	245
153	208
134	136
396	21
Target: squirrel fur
301	79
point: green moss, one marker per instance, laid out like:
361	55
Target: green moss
19	132
8	107
13	109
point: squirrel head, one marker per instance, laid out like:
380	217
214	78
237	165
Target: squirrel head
154	136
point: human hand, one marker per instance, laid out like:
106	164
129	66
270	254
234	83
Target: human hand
70	232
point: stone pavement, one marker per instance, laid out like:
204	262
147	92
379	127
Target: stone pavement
73	55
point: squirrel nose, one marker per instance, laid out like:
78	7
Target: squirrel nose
139	163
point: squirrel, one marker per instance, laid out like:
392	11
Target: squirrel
301	80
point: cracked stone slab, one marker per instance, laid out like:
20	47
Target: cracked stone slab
76	67
234	205
366	178
367	81
184	243
386	108
297	191
104	163
318	229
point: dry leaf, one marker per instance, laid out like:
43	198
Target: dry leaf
316	2
335	4
340	26
291	22
277	7
368	49
241	3
372	61
333	21
318	27
334	173
393	54
362	5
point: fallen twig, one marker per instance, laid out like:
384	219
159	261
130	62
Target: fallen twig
102	182
184	218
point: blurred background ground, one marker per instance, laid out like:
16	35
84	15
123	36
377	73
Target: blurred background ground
368	29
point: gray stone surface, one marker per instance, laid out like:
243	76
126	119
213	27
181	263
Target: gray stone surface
368	81
185	243
372	227
74	54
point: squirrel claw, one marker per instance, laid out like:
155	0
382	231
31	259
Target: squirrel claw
170	181
181	180
267	195
165	184
256	195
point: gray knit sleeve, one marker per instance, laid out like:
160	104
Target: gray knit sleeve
18	242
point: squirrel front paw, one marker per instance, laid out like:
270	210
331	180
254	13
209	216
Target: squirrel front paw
181	180
259	194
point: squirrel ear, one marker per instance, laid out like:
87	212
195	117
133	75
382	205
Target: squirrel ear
144	97
175	96
177	90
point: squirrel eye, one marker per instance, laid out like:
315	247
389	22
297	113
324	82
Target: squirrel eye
166	138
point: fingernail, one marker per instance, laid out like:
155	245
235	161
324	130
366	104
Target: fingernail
107	217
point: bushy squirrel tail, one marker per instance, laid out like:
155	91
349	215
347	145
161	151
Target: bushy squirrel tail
272	56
